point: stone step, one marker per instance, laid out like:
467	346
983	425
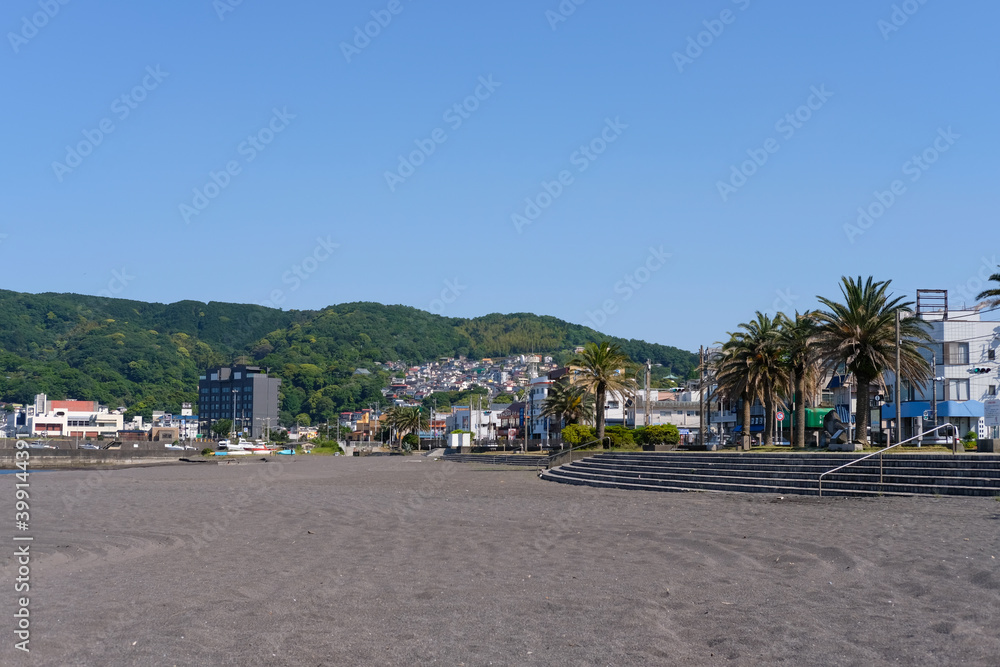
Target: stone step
810	472
947	460
790	480
943	475
525	461
558	475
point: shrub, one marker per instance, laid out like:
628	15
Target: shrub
577	434
207	451
620	436
661	434
411	439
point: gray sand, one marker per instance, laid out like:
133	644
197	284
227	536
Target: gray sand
337	561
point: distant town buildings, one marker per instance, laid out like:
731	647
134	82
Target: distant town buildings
245	395
67	418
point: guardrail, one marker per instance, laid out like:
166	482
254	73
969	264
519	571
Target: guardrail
551	461
882	451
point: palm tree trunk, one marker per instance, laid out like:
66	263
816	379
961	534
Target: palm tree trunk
800	409
746	422
862	412
768	422
600	413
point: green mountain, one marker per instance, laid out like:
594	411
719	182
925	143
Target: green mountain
147	356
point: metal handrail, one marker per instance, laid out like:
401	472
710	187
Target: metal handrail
880	452
573	449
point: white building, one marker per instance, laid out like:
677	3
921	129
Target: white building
682	409
965	354
84	419
483	422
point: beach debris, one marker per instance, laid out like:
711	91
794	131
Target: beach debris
310	532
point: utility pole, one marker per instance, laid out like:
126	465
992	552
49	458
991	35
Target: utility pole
934	380
898	397
701	397
645	411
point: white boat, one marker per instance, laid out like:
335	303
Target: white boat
236	446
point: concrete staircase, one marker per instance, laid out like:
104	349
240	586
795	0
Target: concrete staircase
903	474
527	461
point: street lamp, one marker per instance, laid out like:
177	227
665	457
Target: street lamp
236	393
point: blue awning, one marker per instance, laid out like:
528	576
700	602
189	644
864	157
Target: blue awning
754	428
909	409
945	409
961	409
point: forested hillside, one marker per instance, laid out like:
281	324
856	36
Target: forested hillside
147	356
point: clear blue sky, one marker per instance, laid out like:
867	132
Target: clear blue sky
679	124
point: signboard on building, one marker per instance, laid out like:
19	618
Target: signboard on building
991	412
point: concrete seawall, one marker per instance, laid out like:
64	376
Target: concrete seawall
83	458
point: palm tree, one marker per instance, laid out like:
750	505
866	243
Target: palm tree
993	294
750	368
406	420
797	338
601	369
861	334
569	403
731	378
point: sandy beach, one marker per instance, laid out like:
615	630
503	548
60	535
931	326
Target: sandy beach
408	561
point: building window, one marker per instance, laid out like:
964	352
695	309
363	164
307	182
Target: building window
991	354
956	354
958	390
908	391
992	390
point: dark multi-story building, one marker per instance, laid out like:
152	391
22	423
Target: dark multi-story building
243	394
